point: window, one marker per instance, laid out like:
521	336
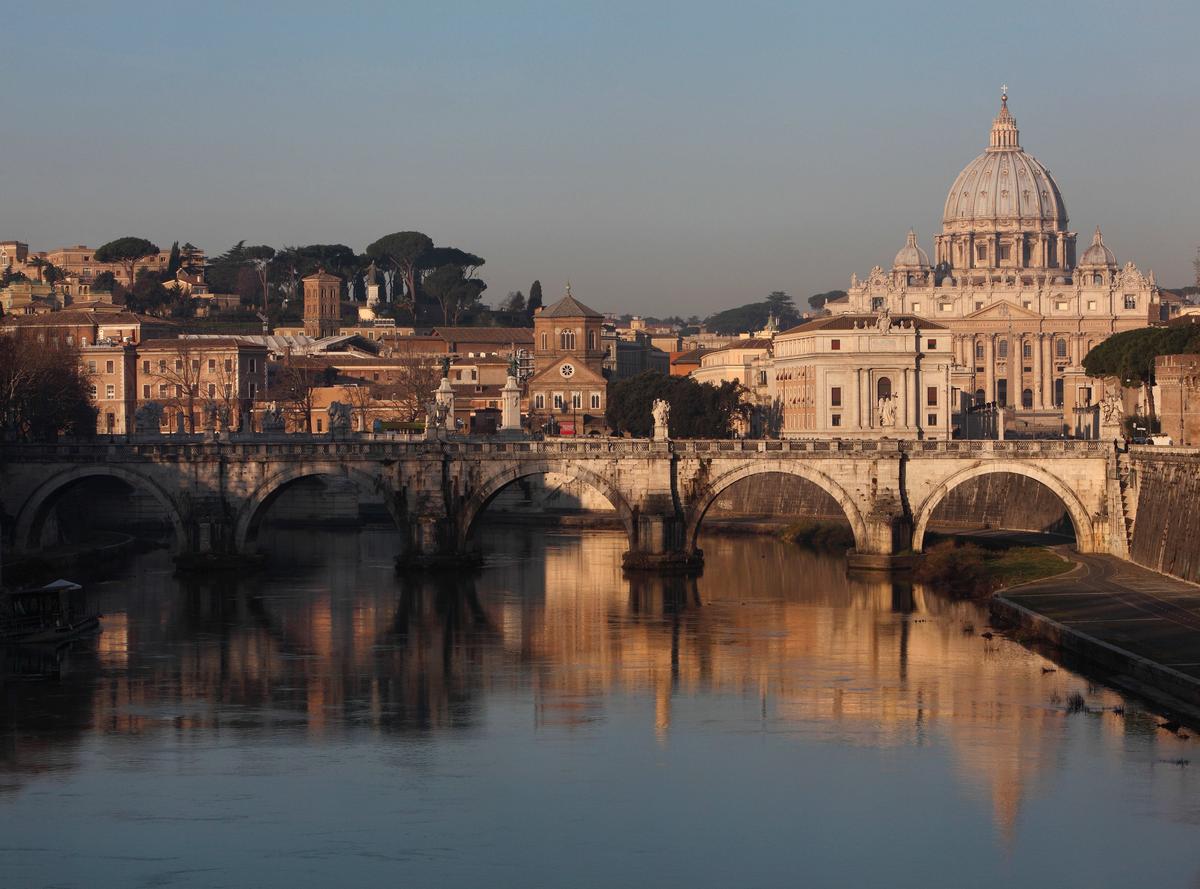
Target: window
178	391
1097	279
110	391
979	396
1058	392
978	305
591	341
145	367
108	367
1027	349
91	367
146	391
595	401
162	366
1002	393
253	365
162	390
196	365
539	401
212	365
1002	349
835	420
877	303
567	340
1060	307
1027	304
558	401
1130	301
544	347
1027	398
835	396
212	390
253	388
320	424
916	307
931	396
835	345
1091	305
931	344
981	251
979	351
883	388
179	364
1005	251
945	307
577	401
1085	395
931	420
1060	348
94	391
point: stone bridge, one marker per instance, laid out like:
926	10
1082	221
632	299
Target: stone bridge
214	493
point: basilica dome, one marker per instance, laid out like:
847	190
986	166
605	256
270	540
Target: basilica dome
911	256
1004	188
1098	254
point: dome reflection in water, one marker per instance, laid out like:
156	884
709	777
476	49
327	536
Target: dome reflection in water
552	722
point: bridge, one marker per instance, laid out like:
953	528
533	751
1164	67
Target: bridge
213	493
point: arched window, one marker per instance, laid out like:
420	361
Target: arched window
544	342
567	340
591	341
883	389
1097	278
979	397
1027	398
978	351
1058	392
1027	349
1002	349
1060	348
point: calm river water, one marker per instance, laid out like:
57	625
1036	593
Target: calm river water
551	723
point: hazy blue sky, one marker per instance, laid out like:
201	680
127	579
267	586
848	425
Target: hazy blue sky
666	157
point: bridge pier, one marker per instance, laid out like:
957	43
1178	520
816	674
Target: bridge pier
660	544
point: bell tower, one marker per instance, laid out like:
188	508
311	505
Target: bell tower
322	304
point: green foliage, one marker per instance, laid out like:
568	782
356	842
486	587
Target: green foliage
105	282
126	251
514	302
11	276
402	251
174	261
535	298
698	410
1129	355
818	300
969	570
754	316
454	291
819	535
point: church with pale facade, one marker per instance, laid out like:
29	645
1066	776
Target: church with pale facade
1020	306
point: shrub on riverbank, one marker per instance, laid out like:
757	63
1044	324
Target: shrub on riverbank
967	570
818	535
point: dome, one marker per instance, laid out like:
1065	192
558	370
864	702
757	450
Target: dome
911	256
1005	187
1098	254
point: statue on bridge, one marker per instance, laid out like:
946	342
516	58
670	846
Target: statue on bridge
661	414
272	418
148	418
339	417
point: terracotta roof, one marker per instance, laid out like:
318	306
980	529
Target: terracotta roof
499	335
72	318
690	356
569	307
748	343
848	322
199	344
321	275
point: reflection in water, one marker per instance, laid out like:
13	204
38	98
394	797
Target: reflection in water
551	697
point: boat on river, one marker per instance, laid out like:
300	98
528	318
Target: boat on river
53	614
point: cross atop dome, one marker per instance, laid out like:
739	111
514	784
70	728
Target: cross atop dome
1004	128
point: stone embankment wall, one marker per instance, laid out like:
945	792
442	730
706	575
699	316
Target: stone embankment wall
775	496
1166	530
1002	500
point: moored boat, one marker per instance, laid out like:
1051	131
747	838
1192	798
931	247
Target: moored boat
50	614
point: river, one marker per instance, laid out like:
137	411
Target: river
552	723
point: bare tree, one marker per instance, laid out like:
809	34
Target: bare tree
181	372
293	385
413	383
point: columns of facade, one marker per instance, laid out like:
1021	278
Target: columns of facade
989	367
904	400
858	398
1048	369
1039	399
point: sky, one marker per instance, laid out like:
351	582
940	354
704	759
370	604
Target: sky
666	158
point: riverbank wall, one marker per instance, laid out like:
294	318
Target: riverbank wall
1165	487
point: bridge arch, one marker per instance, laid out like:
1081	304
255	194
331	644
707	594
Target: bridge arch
250	514
1080	520
716	486
486	492
33	513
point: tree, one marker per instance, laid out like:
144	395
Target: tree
402	251
453	290
514	302
174	261
1129	355
127	252
44	391
535	298
780	303
105	282
698	410
818	300
293	384
189	255
260	258
181	372
412	384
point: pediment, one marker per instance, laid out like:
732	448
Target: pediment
1003	311
552	374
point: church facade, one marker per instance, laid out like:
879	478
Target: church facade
568	391
1022	310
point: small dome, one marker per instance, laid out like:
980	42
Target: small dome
911	256
1003	185
1098	254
